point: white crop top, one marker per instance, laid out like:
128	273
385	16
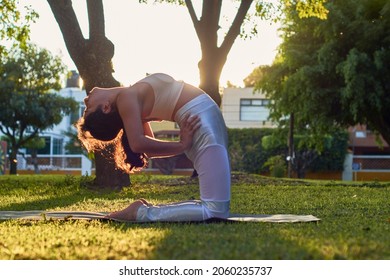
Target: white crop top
166	93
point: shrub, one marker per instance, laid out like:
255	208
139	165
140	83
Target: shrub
276	165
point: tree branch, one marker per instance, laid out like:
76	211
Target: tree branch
235	28
69	26
211	11
28	138
96	19
193	16
4	131
209	22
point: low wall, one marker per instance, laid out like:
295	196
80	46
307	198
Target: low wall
50	172
371	176
331	175
337	176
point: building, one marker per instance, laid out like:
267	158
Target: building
369	157
241	108
244	108
55	138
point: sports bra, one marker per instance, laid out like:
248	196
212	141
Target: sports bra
166	93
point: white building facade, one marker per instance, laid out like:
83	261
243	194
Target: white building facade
55	138
244	108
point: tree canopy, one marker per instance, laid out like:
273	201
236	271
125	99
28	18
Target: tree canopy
14	24
28	104
333	72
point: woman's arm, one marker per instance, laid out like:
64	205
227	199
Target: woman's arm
148	130
140	136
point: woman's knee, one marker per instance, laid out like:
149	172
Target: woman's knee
217	209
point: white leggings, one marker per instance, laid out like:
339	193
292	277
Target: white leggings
210	158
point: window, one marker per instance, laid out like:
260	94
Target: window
254	109
56	143
57	146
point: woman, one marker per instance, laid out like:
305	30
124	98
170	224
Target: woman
121	115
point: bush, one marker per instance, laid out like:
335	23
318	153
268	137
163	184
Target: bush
247	153
277	166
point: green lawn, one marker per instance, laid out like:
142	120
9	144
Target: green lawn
354	221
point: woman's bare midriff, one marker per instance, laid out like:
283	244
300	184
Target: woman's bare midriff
188	93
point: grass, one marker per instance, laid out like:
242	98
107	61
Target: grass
354	221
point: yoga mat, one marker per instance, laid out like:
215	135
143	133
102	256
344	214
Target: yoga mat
80	215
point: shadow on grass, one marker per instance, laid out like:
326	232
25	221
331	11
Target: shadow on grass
43	204
226	241
47	192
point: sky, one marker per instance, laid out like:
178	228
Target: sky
152	38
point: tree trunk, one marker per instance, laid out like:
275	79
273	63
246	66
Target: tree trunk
13	163
93	59
34	160
290	146
210	72
109	176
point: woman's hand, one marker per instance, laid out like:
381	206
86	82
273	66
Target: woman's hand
189	126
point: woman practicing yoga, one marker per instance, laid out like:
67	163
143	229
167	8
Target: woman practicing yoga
121	115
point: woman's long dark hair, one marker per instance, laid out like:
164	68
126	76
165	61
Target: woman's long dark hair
98	129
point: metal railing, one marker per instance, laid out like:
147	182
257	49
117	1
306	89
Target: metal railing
378	163
55	162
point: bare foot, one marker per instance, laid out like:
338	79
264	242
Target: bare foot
129	213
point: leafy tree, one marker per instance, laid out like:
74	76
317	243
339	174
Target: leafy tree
260	150
307	156
14	26
27	76
333	72
254	77
245	149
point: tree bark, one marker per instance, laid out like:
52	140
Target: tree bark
93	59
